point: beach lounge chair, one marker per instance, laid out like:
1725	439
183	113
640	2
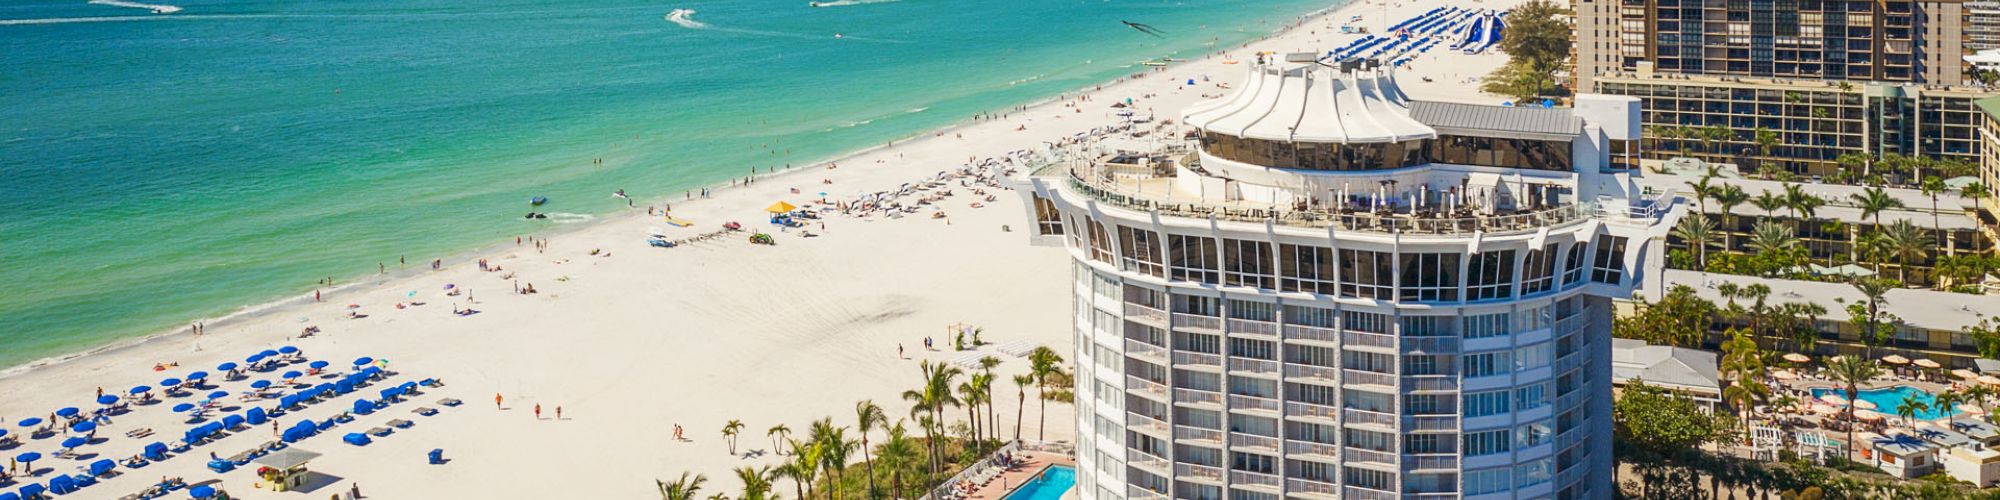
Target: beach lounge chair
379	431
425	411
221	466
400	423
155	451
355	438
450	402
139	432
101	467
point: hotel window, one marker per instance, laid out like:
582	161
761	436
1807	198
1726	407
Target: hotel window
1486	325
1308	269
1418	364
1048	220
1312	355
1313	394
1489	442
1145	296
1364	322
1367	361
1248	263
1532	357
1193	258
1488	363
1197	305
1429	443
1370	440
1428	326
1249	462
1483	481
1533	473
1538	273
1139	251
1369	478
1573	264
1430	404
1491	275
1370	275
1531	397
1480	404
1610	266
1254	311
1254	349
1100	243
1309	316
1430	277
1535	434
1075	237
1310	471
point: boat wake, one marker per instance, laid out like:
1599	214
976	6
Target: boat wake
157	9
844	3
685	18
568	218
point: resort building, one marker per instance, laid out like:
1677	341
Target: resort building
1692	372
1982	25
1932	323
1898	41
1989	153
1810	124
1320	288
1903	456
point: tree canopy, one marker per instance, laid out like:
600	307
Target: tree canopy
1661	422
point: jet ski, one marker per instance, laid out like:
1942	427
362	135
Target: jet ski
537	201
534	215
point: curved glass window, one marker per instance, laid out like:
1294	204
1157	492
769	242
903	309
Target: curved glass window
1460	150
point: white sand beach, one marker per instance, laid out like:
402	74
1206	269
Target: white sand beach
635	340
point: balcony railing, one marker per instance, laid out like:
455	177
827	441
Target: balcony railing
1253	365
1430	383
1185	320
1253	403
1356	493
1158	317
1149	462
1253	327
1197	472
1133	491
1354	455
1359	377
1192	396
1241	440
1363	417
1110	192
1192	358
1363	339
1430	423
1133	383
1237	477
1328	451
1312	410
1148	351
1147	424
1324	374
1418	462
1431	345
1303	332
1310	487
1186	433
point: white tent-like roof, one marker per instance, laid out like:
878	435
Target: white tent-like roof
1313	103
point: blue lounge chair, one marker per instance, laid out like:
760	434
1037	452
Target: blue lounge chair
356	438
436	456
102	467
221	465
155	452
33	490
62	485
255	416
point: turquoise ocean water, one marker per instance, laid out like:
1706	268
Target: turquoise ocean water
157	168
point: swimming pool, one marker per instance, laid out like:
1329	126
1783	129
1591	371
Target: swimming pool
1888	399
1051	485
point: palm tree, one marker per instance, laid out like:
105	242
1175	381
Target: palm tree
1021	405
1856	161
1765	139
834	448
777	435
1906	242
756	483
987	364
1873	201
1703	190
1697	231
1804	335
1774	240
868	416
1768	202
1741	364
1801	203
1943	403
1933	187
803	468
1873	293
1853	372
898	455
1910	408
1044	363
1727	198
729	431
978	391
686	488
930	401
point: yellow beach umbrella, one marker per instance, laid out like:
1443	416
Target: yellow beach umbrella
1895	359
780	207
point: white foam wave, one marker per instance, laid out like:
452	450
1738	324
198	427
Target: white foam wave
684	18
918	110
844	3
156	8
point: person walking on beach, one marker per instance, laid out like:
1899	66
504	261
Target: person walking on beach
496	401
558	412
899	351
538	411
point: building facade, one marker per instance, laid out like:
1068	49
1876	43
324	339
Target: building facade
1813	123
1898	41
1331	291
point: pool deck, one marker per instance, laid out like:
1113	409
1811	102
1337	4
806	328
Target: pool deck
1013	479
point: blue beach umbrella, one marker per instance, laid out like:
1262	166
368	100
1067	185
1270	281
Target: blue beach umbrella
202	492
75	442
226	366
84	426
30	422
67	411
254	358
3	432
183	407
28	457
318	364
141	390
268	353
218	394
363	360
260	384
107	399
291	375
288	350
197	376
169	382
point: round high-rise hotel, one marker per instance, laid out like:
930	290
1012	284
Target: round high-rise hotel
1317	288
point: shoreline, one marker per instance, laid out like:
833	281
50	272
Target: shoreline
290	301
